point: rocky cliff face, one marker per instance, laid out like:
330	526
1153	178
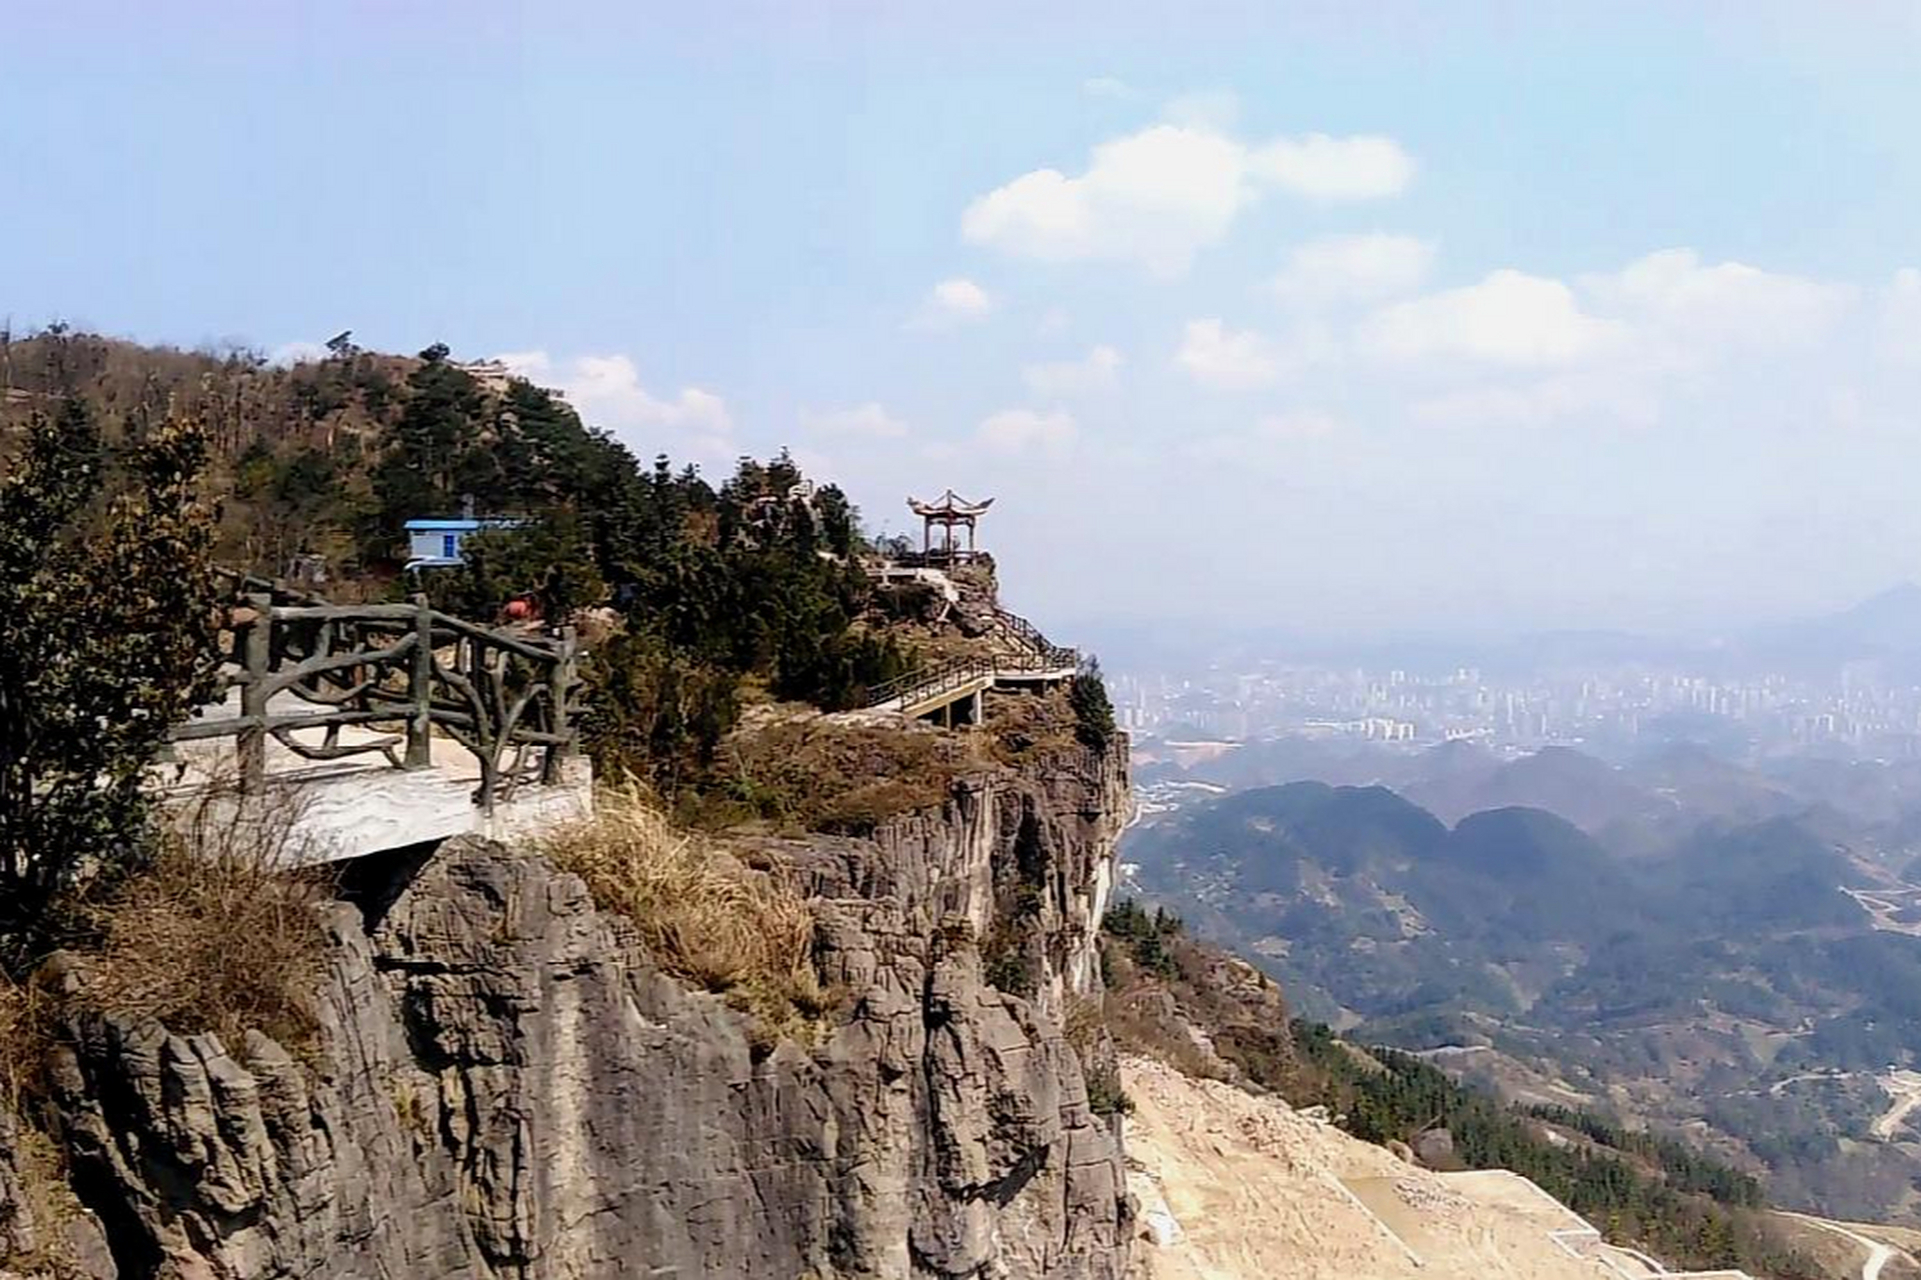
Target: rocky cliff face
506	1087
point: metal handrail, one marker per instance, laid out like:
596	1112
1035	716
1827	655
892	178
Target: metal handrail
936	557
926	682
1030	637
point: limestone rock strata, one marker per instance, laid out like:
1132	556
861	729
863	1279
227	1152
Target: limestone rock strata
506	1087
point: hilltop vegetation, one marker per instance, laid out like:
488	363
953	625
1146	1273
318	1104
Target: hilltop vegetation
722	621
722	594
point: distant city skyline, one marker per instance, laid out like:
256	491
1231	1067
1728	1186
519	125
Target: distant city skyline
1611	713
1331	318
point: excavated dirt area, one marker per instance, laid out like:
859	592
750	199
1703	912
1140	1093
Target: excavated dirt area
1234	1187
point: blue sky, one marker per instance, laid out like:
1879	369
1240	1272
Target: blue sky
1339	317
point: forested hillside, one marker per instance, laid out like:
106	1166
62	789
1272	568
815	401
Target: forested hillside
1727	979
714	593
1172	993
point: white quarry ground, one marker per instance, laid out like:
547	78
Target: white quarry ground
1234	1187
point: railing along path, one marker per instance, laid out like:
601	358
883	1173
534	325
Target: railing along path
1034	656
498	694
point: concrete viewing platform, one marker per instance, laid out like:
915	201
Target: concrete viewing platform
386	725
366	803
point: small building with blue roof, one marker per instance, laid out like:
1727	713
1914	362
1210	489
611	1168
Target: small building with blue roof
435	544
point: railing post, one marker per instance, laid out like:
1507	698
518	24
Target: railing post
420	687
561	683
257	651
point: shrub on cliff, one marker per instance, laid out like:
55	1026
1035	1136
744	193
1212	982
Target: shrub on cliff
704	916
107	637
1093	710
815	774
549	559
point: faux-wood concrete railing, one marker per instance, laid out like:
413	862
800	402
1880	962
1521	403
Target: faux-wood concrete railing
409	666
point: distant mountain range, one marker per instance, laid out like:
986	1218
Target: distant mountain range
1886	626
1641	805
1680	939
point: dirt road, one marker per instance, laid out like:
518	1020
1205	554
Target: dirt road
1904	1087
1879	1254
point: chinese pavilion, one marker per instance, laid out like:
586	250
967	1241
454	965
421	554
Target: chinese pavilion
948	510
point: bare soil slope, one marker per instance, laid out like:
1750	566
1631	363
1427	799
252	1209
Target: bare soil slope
1236	1187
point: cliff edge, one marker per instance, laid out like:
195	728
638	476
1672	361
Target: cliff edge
504	1084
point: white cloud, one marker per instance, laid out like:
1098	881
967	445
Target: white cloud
1729	304
952	302
1275	443
868	419
1666	311
1096	371
1216	109
1508	318
606	391
1159	196
1323	168
1225	360
1353	268
1297	424
1625	347
1900	336
1603	394
1155	197
1025	431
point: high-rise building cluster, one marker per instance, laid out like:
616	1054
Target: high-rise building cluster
1857	712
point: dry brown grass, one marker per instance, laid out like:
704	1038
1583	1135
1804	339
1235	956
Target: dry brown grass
220	944
219	933
704	916
29	1023
1026	726
816	773
46	1210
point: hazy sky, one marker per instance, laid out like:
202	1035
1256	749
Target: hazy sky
1336	316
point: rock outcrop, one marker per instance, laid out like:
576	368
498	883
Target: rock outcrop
503	1085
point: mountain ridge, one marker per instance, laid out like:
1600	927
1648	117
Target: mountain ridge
1669	982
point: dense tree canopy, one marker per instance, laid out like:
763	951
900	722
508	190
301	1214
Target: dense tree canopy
744	587
108	635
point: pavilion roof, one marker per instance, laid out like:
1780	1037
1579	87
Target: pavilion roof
949	504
